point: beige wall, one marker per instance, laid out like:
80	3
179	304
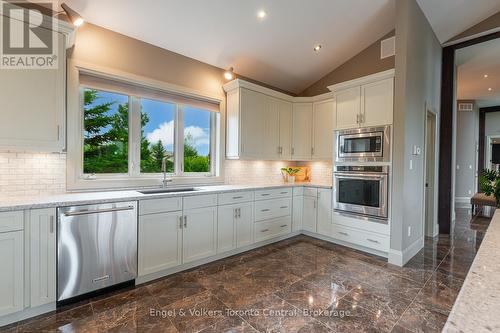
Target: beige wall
417	88
364	63
492	22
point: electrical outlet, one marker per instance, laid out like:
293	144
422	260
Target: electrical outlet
411	164
409	231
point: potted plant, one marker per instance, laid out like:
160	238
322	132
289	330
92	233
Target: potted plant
289	174
489	183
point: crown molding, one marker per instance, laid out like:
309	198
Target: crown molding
363	80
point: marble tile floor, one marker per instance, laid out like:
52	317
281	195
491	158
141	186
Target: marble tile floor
297	285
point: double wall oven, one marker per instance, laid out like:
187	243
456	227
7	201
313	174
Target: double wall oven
361	174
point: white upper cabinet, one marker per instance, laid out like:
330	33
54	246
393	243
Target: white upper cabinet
285	129
365	102
42	256
254	125
302	131
323	127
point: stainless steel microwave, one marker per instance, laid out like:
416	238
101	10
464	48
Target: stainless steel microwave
370	144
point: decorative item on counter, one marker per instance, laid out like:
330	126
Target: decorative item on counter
489	183
294	173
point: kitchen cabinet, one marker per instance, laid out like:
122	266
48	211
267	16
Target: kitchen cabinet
12	262
244	225
42	240
285	128
302	131
33	106
298	211
309	213
323	128
234	227
199	233
365	102
324	212
160	241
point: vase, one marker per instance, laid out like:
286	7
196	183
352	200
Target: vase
290	179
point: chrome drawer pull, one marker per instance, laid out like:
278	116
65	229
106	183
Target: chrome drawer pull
87	212
239	197
264	210
373	241
265	230
264	194
284	225
283	207
283	192
343	233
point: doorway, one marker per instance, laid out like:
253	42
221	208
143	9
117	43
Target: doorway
431	228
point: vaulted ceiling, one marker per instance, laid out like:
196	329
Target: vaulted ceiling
277	50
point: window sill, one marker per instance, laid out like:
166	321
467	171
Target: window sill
117	182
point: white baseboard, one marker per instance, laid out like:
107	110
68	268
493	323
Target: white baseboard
27	313
462	202
400	258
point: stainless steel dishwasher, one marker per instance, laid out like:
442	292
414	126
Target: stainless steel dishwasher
96	247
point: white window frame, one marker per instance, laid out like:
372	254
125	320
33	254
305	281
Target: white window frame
77	180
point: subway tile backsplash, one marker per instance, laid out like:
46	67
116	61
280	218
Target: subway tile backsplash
34	174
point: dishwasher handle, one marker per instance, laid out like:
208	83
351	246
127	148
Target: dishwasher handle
98	211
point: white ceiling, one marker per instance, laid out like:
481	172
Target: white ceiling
473	63
227	33
451	17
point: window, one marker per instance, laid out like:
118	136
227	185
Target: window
132	132
105	132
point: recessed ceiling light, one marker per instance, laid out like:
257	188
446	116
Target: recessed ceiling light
261	14
485	75
317	47
489	89
228	74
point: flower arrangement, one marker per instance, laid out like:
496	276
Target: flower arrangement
289	174
489	183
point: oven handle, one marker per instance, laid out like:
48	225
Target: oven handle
360	176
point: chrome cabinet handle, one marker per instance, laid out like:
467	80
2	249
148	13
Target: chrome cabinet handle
285	192
51	224
314	203
284	225
236	213
98	211
180	222
239	212
312	151
264	210
265	230
283	207
373	241
293	151
185	221
238	197
343	233
264	194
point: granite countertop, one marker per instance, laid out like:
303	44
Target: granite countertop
477	307
89	198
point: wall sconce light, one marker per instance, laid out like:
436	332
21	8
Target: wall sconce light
228	74
74	17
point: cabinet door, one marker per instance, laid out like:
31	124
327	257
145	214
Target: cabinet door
160	237
244	225
226	230
310	214
323	126
347	106
285	129
377	103
271	129
12	272
298	211
199	234
325	212
42	256
253	110
33	106
302	131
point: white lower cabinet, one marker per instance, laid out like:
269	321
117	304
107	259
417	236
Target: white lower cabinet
234	226
324	212
310	213
298	211
160	240
272	228
42	241
199	234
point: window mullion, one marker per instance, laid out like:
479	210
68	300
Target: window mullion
134	136
179	140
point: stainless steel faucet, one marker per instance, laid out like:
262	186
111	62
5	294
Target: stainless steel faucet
164	160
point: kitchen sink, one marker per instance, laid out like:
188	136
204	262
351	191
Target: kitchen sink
169	190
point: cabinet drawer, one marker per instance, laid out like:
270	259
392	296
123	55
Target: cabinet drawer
310	191
270	209
273	193
235	197
298	191
367	239
153	206
199	201
272	228
11	221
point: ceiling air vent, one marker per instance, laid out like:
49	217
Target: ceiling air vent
388	47
465	106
